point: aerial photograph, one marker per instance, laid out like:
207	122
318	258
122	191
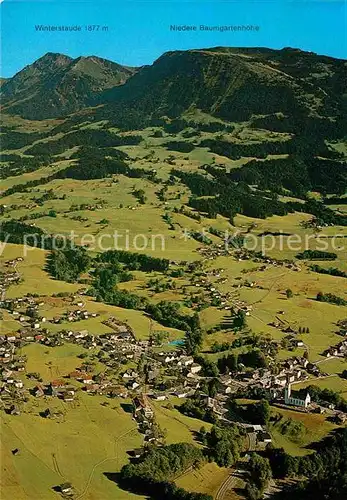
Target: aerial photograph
173	243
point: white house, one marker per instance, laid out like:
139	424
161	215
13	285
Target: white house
195	368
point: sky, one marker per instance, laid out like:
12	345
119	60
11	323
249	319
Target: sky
138	31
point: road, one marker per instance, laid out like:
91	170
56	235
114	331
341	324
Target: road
230	483
237	472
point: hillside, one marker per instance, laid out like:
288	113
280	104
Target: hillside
57	85
236	84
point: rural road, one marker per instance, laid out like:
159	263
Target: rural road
230	483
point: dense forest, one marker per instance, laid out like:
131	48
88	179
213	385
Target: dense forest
97	138
296	174
219	193
222	196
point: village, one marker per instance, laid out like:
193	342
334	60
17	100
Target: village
140	370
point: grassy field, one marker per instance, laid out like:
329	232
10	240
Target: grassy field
79	447
70	448
316	427
205	480
179	427
52	363
333	382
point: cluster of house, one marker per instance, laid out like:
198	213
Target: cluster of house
144	416
342	324
31	318
339	350
9	276
60	388
12	366
75	315
215	296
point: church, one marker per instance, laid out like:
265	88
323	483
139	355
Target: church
295	401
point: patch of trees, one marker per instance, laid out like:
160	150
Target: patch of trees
332	271
124	117
106	276
17	165
197	408
254	358
112	267
239	321
179	124
200	185
335	200
22	188
134	261
155	473
140	195
17	232
331	299
47	196
17	140
328	175
188	213
260	474
316	255
181	146
209	369
212	127
295	173
253	413
168	314
157	133
200	237
237	150
109	275
220	347
175	126
112	295
68	264
194	337
224	444
323	215
92	164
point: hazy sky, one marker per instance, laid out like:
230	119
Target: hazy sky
139	31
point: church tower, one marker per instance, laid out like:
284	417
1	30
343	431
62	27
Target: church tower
287	394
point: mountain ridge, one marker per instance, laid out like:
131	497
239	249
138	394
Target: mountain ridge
56	84
230	83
